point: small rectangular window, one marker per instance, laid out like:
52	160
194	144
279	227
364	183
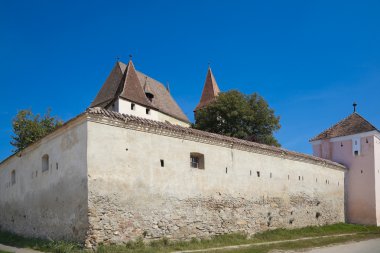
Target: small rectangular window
162	163
147	110
133	106
258	173
197	161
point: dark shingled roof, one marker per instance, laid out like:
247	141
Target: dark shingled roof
125	82
158	127
132	88
210	90
353	124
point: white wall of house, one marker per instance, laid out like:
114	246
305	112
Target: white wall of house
139	197
50	203
125	107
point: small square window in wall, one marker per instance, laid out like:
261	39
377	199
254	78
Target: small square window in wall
147	110
258	173
133	106
162	163
197	160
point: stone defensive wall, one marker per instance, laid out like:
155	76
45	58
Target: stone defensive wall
108	177
152	180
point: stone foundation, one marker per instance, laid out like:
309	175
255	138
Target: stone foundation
201	217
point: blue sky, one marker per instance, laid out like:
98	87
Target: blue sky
309	59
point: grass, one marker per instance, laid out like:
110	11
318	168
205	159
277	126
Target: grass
1	251
38	244
164	245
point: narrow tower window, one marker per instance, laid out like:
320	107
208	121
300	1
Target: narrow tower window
133	106
13	177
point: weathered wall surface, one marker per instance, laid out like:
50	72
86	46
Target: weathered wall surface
131	195
51	203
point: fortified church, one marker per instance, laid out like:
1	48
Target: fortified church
131	167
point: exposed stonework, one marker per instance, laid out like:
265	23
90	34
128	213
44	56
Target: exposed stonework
112	222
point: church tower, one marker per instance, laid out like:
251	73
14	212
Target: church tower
355	143
210	91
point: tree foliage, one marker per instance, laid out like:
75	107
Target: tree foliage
242	116
29	128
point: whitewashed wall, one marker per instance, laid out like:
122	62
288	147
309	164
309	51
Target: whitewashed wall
124	106
131	195
50	204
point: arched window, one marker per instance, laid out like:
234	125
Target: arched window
45	162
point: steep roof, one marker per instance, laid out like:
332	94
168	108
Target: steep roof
168	129
126	82
210	90
163	101
353	124
132	88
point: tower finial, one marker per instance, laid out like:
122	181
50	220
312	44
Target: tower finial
117	58
209	64
130	57
354	105
167	86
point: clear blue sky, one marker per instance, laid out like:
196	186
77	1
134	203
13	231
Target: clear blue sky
309	59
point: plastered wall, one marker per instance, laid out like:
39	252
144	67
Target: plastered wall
124	106
52	203
132	195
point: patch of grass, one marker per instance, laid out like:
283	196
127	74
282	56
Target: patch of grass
10	239
165	245
4	251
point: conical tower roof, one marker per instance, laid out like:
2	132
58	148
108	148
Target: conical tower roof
210	90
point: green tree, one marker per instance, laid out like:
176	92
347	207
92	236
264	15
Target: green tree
242	116
29	128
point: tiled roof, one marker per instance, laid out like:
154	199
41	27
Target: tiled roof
126	82
210	90
162	100
190	133
353	124
132	88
